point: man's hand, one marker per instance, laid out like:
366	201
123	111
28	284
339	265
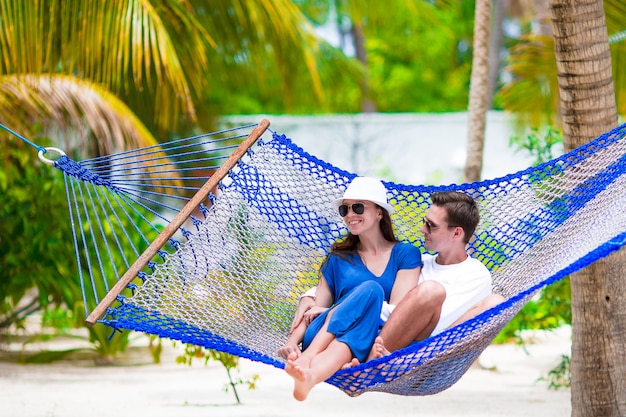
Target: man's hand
305	304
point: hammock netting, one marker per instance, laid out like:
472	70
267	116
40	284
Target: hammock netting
230	278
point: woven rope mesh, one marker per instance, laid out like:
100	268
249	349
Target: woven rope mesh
234	285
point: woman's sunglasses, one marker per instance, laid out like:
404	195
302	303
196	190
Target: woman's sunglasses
357	208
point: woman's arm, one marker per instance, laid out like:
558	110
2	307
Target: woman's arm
323	300
293	343
307	302
406	280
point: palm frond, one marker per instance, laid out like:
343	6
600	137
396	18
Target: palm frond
533	93
82	117
155	47
249	34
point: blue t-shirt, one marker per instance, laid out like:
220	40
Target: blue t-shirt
342	275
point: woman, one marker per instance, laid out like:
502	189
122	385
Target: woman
361	271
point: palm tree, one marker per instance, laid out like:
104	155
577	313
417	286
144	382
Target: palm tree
533	93
124	71
588	109
479	90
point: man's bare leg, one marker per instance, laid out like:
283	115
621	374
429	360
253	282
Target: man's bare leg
379	350
415	316
380	347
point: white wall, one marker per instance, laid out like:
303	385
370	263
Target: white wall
411	148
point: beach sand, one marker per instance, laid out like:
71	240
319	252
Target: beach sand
505	382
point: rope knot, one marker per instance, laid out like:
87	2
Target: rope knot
76	170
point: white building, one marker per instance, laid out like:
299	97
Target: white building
411	148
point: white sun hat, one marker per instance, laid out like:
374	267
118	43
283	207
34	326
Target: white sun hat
366	189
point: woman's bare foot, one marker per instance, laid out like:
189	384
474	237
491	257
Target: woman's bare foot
303	380
378	349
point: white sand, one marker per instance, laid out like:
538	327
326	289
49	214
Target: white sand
80	389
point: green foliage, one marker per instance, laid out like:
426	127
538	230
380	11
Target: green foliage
559	376
418	59
37	256
151	60
156	348
230	363
430	74
58	318
102	342
107	343
261	90
532	93
549	310
35	242
539	143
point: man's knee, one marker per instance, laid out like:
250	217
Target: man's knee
435	292
429	293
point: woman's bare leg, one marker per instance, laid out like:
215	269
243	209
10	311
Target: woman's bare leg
322	358
322	366
319	343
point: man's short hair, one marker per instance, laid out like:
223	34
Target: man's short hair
461	210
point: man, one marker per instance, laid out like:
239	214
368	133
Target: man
453	287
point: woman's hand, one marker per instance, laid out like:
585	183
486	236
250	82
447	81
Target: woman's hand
312	313
287	348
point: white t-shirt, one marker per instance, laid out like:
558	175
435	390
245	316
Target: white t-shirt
466	284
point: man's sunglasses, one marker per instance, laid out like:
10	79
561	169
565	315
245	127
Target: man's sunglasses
430	227
357	208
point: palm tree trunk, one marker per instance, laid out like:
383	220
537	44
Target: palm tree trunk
496	38
367	104
588	109
479	89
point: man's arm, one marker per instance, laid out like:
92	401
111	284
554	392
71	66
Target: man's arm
406	280
488	302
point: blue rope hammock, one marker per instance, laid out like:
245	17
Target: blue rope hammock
223	268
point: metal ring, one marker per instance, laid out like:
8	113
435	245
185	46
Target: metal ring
50	149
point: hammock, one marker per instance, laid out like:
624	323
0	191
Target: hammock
225	272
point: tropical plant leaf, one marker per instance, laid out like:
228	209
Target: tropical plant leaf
88	117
